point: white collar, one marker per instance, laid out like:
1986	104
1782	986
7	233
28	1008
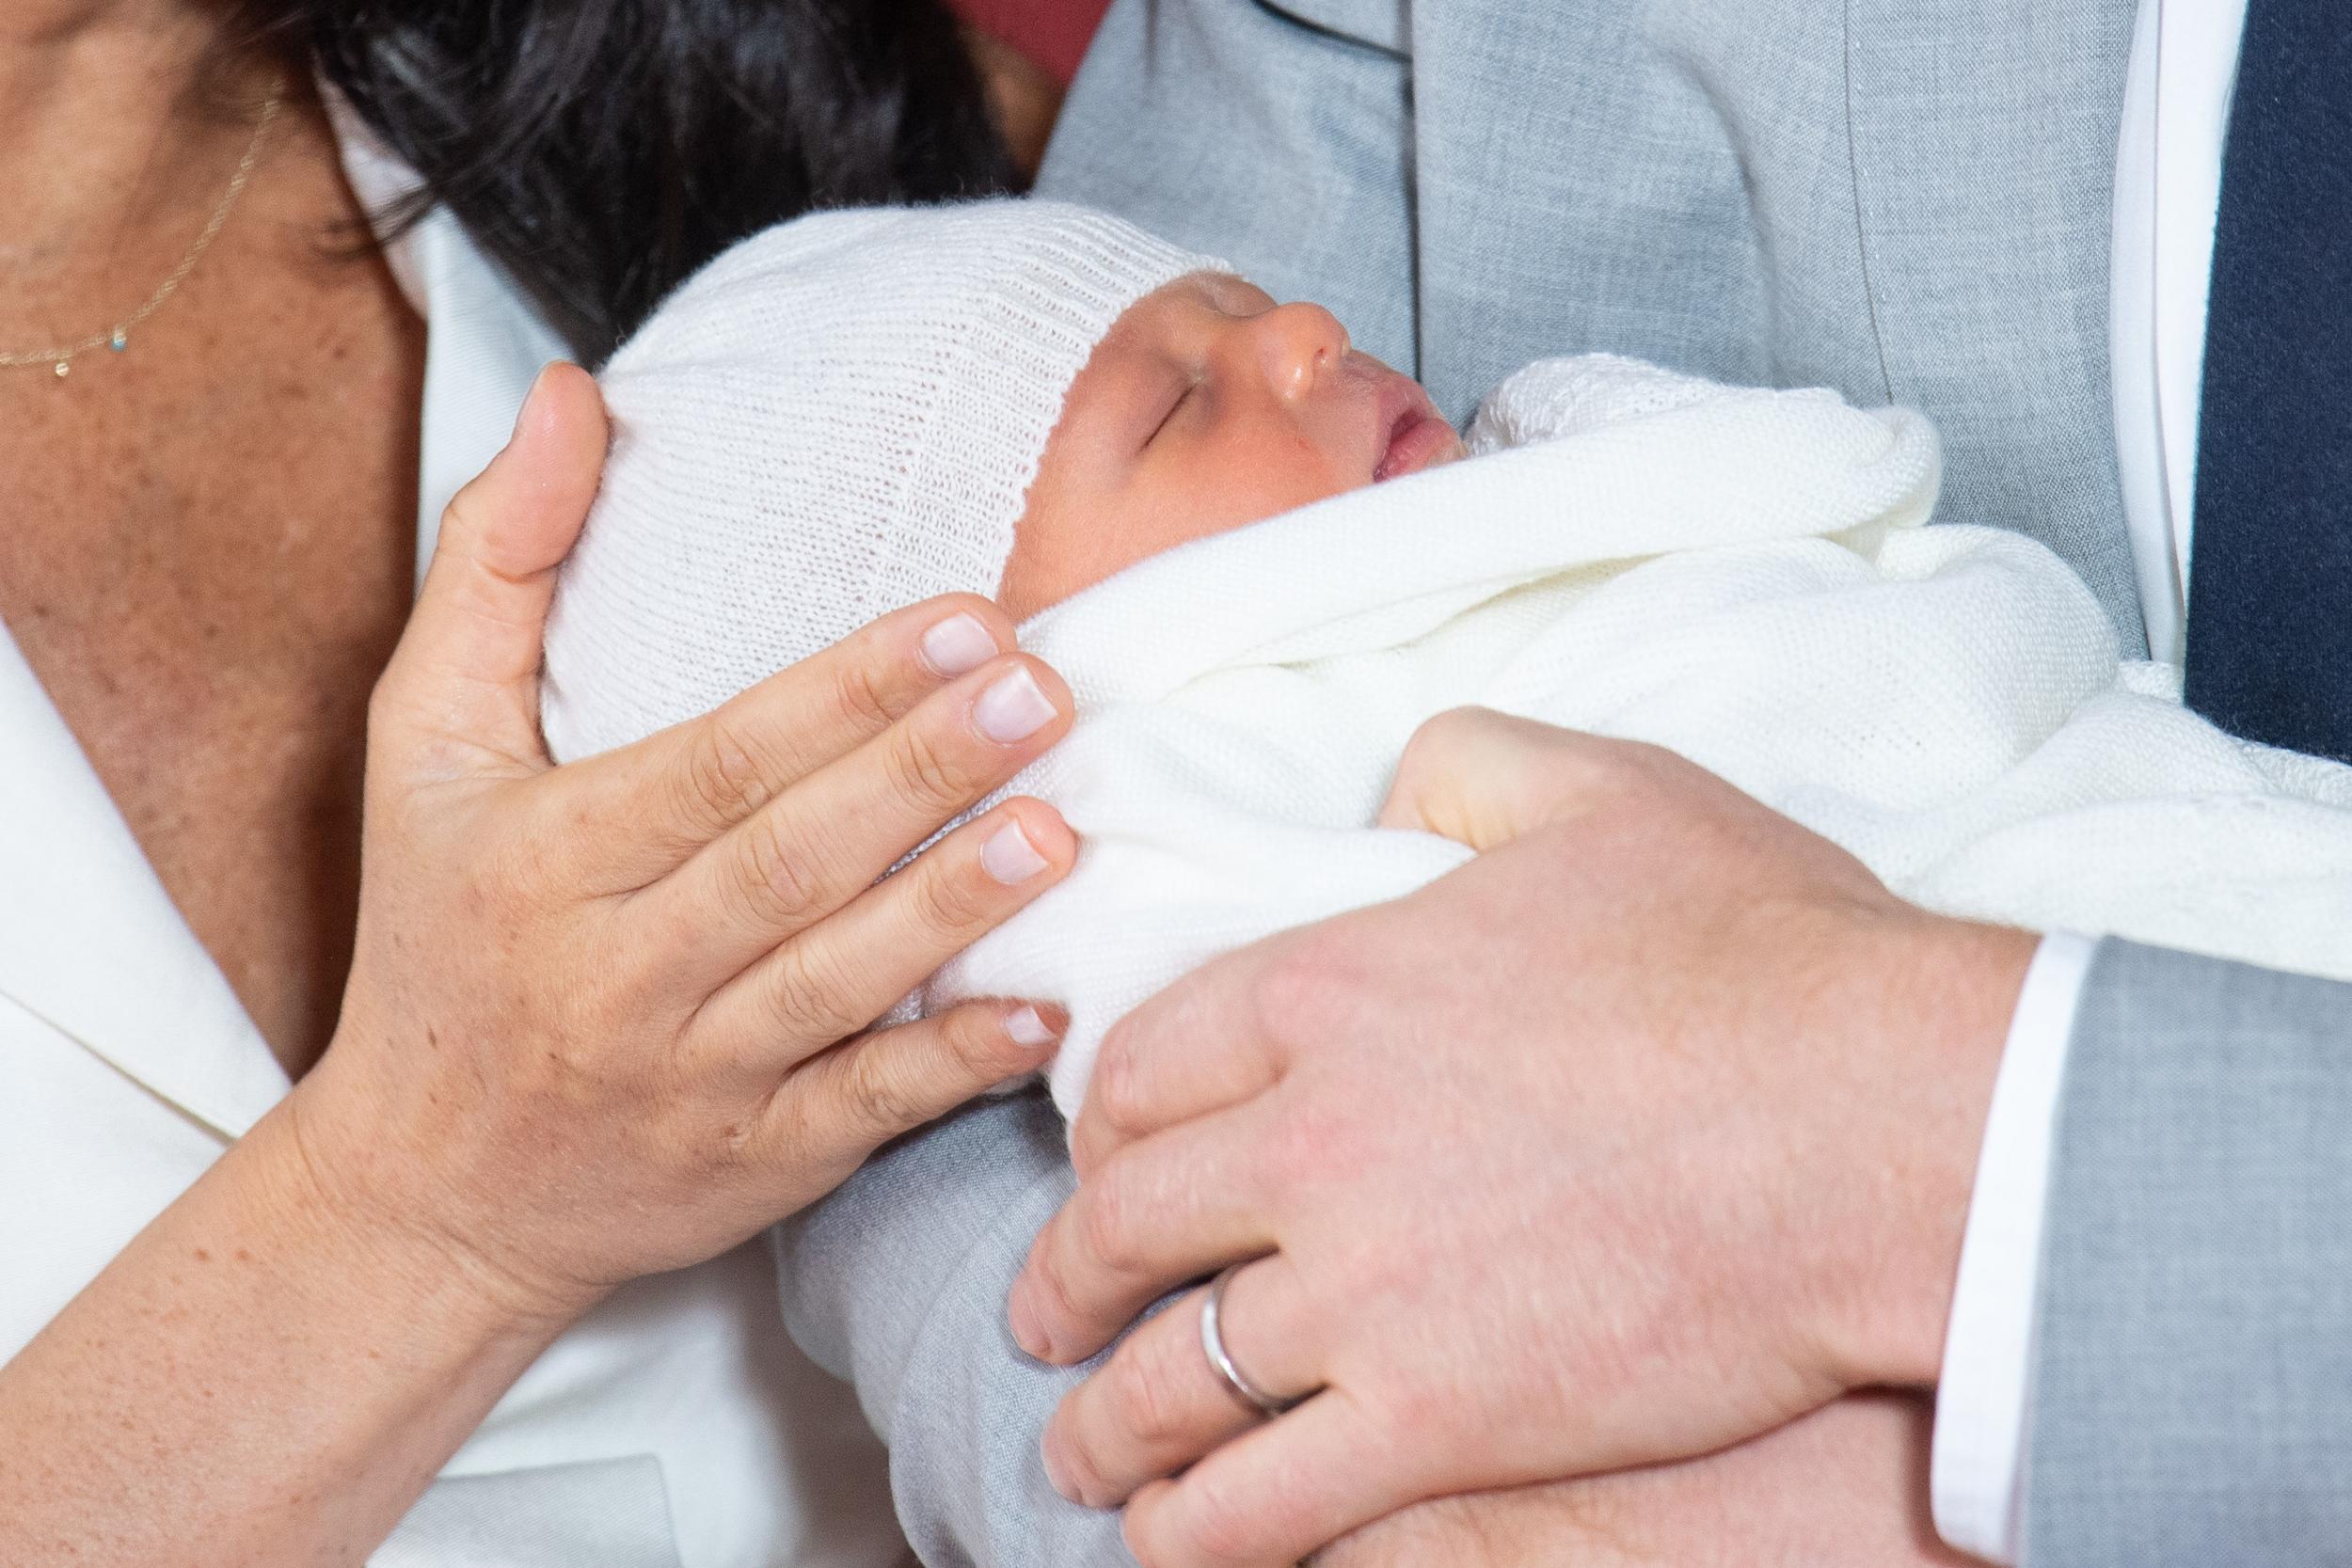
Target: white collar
89	939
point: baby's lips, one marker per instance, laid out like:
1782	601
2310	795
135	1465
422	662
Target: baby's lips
1413	435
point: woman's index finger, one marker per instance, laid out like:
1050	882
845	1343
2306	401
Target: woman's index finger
688	785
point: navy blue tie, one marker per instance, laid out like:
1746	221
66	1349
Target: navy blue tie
2270	559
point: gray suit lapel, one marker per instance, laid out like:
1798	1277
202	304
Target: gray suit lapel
1984	141
1575	190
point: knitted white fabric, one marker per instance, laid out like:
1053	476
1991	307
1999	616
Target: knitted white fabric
834	419
1733	574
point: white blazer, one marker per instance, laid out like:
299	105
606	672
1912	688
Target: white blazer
676	1426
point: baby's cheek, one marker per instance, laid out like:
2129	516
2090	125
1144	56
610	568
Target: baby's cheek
1071	538
1074	535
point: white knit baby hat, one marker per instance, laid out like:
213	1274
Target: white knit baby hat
834	419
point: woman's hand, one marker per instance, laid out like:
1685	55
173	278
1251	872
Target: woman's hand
608	1019
603	1019
1845	1487
1645	1132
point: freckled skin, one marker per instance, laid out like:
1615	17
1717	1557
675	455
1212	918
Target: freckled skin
1207	407
208	547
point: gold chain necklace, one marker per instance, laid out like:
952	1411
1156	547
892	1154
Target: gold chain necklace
117	337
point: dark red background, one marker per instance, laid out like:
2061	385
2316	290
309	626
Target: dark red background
1054	33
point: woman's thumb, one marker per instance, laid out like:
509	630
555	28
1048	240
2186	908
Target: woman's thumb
466	676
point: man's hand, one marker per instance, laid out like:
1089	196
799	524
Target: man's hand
1845	1487
1649	1129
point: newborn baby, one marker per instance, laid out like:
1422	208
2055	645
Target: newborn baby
861	409
1252	555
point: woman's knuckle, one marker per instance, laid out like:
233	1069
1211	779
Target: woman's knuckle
779	1010
884	1095
924	773
774	880
945	903
722	776
973	1042
859	694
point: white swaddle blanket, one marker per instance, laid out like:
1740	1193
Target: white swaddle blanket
1735	574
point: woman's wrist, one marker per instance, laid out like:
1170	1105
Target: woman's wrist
357	1357
400	1222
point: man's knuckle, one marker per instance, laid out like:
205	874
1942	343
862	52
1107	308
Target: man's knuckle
1441	732
1299	1151
1049	1279
1119	1086
1107	1228
1152	1395
1299	991
1218	1525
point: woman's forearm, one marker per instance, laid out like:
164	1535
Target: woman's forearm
261	1377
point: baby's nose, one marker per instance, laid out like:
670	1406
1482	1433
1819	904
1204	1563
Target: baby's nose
1299	344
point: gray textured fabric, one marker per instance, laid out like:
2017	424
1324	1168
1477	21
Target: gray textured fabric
1898	198
2193	1392
1903	199
898	1284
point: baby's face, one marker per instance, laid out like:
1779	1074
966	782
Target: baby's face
1207	407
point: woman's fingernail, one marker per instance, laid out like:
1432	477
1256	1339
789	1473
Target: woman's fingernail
957	645
1027	1027
1010	857
1014	708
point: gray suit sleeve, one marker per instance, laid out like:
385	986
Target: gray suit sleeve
897	1283
2192	1401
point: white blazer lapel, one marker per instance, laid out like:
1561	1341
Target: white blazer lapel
483	343
89	941
484	347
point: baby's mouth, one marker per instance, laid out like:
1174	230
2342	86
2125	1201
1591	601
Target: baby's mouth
1413	437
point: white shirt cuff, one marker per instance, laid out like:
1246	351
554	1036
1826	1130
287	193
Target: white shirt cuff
1985	1400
